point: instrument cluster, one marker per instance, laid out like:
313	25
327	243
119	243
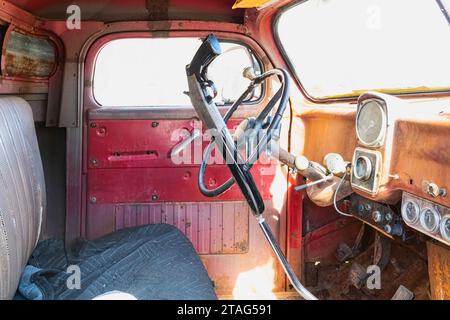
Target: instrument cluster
426	217
375	174
371	131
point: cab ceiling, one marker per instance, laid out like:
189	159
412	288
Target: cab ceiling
133	10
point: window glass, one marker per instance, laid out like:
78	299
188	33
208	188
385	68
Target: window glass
346	47
151	72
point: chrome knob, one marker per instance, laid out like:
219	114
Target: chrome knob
377	216
388	229
389	217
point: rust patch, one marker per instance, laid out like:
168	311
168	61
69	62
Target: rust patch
241	246
439	271
30	56
158	9
88	83
24	66
334	281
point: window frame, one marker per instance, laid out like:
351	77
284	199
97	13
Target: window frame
103	41
338	98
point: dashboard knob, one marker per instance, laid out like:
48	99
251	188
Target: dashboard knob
388	229
432	189
397	230
389	217
377	216
361	209
335	163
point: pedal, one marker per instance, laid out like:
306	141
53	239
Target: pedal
358	275
344	252
403	293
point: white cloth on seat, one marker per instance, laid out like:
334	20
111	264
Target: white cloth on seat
115	295
22	195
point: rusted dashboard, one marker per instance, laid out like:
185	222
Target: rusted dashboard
400	153
411	144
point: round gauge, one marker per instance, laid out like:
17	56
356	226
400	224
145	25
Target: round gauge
429	220
371	123
411	212
363	168
445	228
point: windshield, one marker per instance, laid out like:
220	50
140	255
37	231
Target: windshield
345	47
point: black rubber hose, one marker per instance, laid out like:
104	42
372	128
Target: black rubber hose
282	93
211	193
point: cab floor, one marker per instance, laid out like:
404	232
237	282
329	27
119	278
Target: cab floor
405	268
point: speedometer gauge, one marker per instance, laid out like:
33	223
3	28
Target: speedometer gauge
371	123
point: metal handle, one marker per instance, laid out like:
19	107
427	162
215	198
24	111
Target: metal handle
186	143
309	185
298	286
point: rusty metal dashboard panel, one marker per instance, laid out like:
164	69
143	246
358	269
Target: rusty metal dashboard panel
415	149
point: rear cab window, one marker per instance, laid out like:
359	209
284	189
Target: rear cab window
344	48
139	72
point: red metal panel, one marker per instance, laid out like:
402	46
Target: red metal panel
210	227
204	223
142	143
167	184
321	244
167	213
216	225
129	162
142	216
241	226
130	143
192	225
180	217
228	225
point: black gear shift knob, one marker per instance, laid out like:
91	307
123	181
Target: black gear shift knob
208	51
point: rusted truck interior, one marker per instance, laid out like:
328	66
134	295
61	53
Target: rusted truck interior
250	149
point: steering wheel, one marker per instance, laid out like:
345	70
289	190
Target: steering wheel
202	92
